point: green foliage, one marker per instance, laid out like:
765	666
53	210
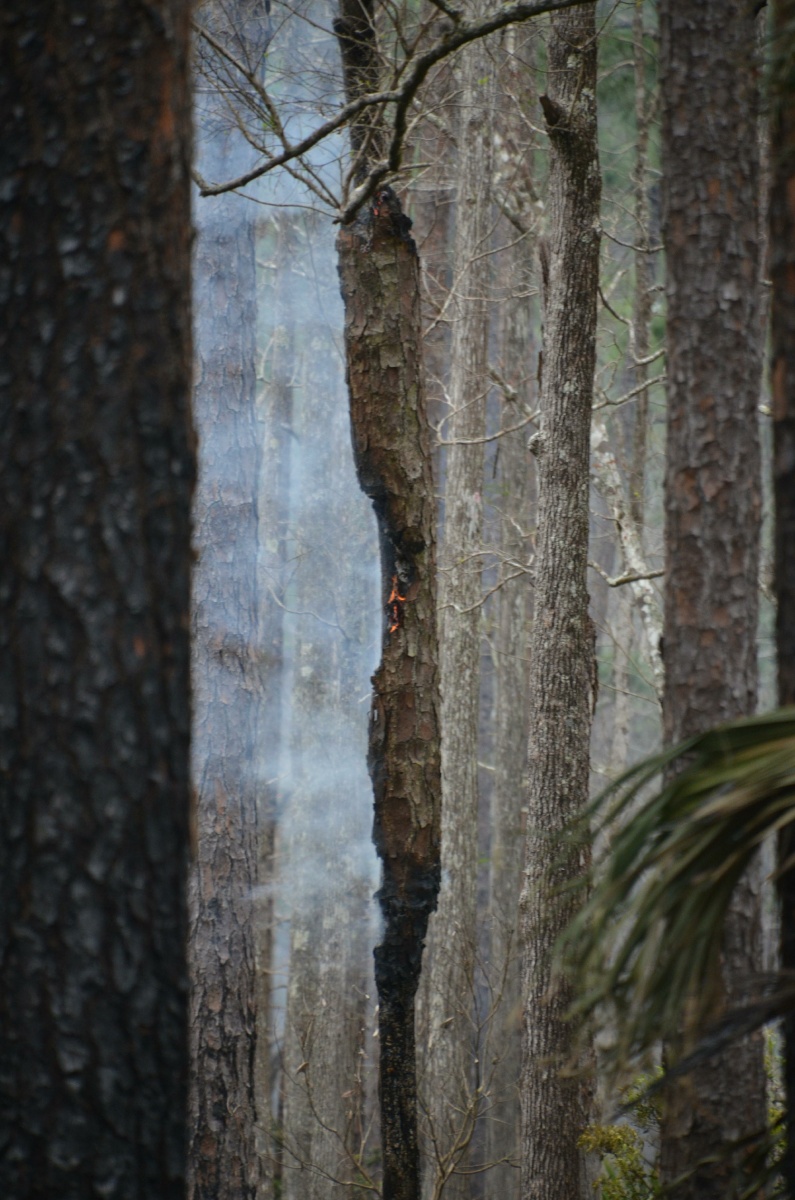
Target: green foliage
625	1174
646	943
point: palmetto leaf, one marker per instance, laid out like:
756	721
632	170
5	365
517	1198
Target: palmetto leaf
646	944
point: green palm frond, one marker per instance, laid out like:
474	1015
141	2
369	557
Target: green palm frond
646	943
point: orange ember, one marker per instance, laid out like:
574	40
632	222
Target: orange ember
395	605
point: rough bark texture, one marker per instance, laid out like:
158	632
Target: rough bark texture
712	488
555	1108
782	271
227	690
641	298
98	465
511	723
379	273
449	1099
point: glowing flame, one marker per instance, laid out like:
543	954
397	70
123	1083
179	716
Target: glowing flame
395	605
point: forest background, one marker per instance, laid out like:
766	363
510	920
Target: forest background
539	325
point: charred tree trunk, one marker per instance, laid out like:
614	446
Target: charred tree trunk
782	270
380	283
450	1102
555	1108
98	466
226	680
712	491
379	273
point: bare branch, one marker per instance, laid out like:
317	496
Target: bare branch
402	97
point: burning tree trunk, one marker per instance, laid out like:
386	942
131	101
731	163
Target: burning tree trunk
450	1102
379	272
380	283
555	1109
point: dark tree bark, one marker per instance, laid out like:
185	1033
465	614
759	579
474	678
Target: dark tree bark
379	272
712	489
555	1108
782	271
380	282
98	466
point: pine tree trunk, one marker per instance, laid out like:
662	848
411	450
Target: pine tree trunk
226	681
450	1103
98	466
712	490
379	273
782	271
555	1108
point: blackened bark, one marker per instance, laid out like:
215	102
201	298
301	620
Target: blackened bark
379	272
782	270
712	489
98	466
555	1108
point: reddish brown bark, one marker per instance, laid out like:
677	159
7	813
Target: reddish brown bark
712	489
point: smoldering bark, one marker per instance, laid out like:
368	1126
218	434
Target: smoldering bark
782	273
379	273
226	682
712	489
98	467
555	1107
449	1098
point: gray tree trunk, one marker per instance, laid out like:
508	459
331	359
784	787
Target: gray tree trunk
782	327
712	491
515	194
555	1108
323	873
98	461
450	1102
226	686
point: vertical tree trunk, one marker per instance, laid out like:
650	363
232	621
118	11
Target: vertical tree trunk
324	874
380	283
712	488
98	465
641	299
510	739
782	271
555	1109
515	194
448	1082
379	274
226	689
